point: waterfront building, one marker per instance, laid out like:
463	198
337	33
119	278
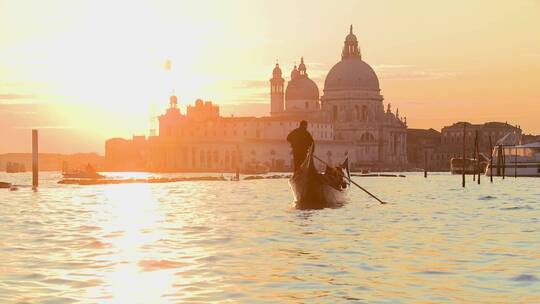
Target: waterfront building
422	149
442	147
452	138
348	120
202	140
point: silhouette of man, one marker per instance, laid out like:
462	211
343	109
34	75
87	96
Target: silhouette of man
300	140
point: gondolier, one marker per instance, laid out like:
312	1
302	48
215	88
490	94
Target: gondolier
300	140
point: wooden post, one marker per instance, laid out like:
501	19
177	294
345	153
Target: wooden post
515	163
478	157
463	156
490	160
35	160
425	163
474	156
499	161
503	161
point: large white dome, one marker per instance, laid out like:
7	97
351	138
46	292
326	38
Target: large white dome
351	74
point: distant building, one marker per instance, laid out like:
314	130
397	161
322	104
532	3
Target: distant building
442	147
452	137
351	102
202	140
53	161
349	120
530	138
422	148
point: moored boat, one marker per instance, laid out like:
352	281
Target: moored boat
515	160
255	168
314	190
83	174
470	165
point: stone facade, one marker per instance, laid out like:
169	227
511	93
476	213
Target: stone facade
349	120
352	102
442	147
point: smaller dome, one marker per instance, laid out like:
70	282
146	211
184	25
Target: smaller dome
295	73
302	88
302	66
173	100
351	37
277	71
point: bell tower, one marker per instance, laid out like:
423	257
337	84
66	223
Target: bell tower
350	47
277	92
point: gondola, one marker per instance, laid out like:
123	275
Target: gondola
83	175
314	190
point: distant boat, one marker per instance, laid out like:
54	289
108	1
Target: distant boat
83	174
255	168
516	160
314	190
15	167
88	173
456	166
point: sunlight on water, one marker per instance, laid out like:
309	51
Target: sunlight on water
242	242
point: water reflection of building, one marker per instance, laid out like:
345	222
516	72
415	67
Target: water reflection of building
348	120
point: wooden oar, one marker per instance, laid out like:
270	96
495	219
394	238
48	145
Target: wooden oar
348	178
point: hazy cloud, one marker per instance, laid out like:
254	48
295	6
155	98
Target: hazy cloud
12	112
43	127
409	72
252	84
251	97
14	96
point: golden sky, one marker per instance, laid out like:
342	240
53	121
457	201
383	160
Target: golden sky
85	71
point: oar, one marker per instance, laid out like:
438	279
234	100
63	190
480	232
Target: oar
357	185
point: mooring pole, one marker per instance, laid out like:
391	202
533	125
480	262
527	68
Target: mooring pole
515	162
503	161
425	163
35	160
499	160
474	156
478	156
463	157
490	160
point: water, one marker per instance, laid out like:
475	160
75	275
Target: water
242	242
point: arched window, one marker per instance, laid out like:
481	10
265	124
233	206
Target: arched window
367	137
335	113
364	113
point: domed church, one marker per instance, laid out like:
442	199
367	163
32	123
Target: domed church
352	102
348	120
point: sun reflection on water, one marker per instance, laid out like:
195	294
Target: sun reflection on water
130	219
241	242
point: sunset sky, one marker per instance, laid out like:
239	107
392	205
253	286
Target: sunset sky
86	71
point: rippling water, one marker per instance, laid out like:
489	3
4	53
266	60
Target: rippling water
242	242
